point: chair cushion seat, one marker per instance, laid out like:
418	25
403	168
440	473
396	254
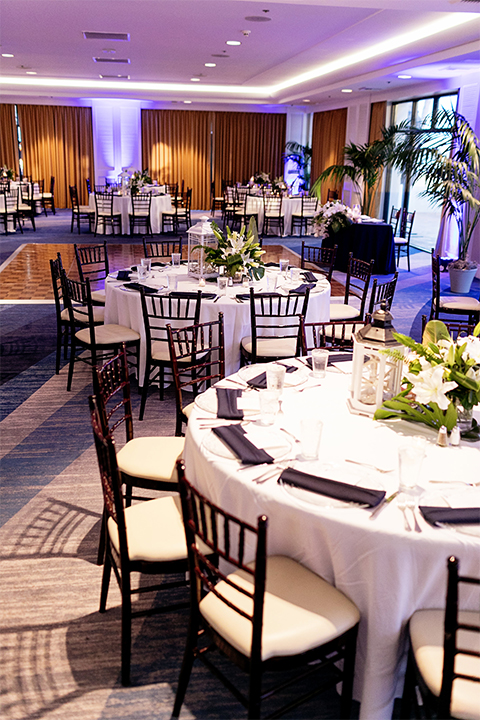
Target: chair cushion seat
152	458
341	311
83	209
155	530
400	241
161	352
108	335
426	633
98	296
460	303
301	610
82	316
272	346
24	208
140	213
106	214
47	195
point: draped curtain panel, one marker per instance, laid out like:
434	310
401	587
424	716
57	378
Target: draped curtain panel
245	143
176	146
8	138
58	142
378	116
328	140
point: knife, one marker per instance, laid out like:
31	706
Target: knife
381	505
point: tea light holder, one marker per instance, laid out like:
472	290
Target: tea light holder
199	237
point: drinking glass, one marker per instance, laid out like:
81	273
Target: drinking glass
272	282
310	436
284	267
319	362
222	284
172	280
269	406
176	259
276	378
147	263
142	272
411	452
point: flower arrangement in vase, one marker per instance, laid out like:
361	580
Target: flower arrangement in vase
7	173
332	217
442	385
237	252
138	180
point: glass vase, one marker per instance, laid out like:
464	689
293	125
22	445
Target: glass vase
464	417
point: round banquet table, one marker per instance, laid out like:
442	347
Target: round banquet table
123	205
290	205
387	570
368	241
123	306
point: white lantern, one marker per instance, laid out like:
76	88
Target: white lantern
377	375
200	236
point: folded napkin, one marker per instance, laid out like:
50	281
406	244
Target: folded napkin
460	516
333	357
332	488
192	295
302	289
234	437
134	268
147	290
272	264
227	407
158	264
123	275
308	276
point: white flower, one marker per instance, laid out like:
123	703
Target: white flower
473	374
429	386
473	347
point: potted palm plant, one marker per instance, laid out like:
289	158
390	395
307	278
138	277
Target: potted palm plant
447	157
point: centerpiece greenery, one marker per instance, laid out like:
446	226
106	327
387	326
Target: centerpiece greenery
6	172
261	178
332	217
237	252
442	384
138	180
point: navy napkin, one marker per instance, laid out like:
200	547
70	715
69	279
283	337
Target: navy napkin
302	289
460	516
333	357
123	275
332	488
308	276
272	264
192	295
227	407
134	268
158	264
147	290
234	437
243	296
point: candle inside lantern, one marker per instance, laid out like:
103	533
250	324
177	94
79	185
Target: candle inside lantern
201	282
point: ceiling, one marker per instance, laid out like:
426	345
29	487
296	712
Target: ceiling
291	52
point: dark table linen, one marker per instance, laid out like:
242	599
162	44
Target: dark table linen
367	241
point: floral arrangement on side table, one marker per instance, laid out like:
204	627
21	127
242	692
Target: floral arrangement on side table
334	216
138	180
237	252
442	384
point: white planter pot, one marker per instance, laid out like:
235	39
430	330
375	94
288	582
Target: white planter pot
461	280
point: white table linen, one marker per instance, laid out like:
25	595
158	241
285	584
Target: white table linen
124	307
290	205
123	205
388	572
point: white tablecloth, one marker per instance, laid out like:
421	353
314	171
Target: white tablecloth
123	307
388	572
290	205
123	204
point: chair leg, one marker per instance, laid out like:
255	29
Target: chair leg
59	351
186	669
347	679
107	570
161	378
408	257
126	629
102	540
71	364
143	401
254	694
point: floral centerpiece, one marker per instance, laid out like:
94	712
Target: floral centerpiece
279	185
332	217
7	173
442	384
261	178
237	252
138	180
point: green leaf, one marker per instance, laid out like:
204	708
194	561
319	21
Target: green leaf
435	330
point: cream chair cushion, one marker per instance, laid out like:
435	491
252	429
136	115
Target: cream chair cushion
301	610
160	351
98	315
272	347
426	634
460	303
152	458
188	409
98	296
108	335
340	311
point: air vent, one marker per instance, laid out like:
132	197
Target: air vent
115	77
106	36
122	61
257	18
220	55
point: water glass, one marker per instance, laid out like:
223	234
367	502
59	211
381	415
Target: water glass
411	452
272	282
319	362
142	272
176	259
284	267
222	284
276	378
147	263
310	436
269	406
172	279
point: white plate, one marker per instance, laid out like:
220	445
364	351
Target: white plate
207	401
291	379
275	444
332	471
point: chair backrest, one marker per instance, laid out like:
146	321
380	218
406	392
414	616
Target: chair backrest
188	199
321	257
197	354
112	390
52	184
141	204
92	261
357	282
104	202
234	541
182	309
230	196
382	292
40	184
456	329
171	189
309	206
275	315
273	205
74	197
394	221
26	192
10	200
162	248
452	648
78	301
56	271
333	335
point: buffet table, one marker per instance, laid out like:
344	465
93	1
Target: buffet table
387	570
123	205
123	306
367	241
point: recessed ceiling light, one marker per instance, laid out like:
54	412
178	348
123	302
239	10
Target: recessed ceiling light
404	77
106	36
210	64
347	90
306	100
124	61
110	77
7	55
233	42
187	102
30	72
195	79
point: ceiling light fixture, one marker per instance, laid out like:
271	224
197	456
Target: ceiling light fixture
187	102
106	36
7	55
233	42
30	72
404	77
196	79
347	90
210	64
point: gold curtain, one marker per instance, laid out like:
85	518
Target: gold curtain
328	140
176	147
245	143
58	142
8	138
378	116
